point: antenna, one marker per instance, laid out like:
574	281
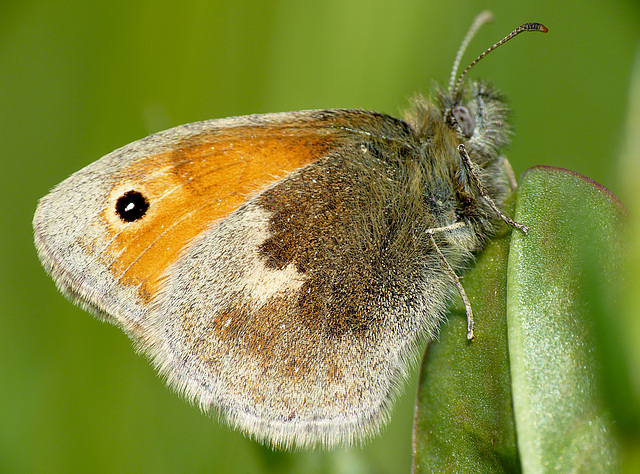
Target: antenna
479	21
484	17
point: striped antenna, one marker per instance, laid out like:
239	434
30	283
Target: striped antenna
484	17
525	27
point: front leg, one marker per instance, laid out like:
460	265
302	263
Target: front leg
470	168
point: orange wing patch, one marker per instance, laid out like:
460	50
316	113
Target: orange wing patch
201	181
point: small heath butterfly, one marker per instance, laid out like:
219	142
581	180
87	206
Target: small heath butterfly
282	269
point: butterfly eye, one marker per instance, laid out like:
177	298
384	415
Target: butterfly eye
465	119
131	206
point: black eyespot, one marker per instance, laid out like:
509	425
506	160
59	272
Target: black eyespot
131	206
465	119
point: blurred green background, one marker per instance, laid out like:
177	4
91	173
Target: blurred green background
81	78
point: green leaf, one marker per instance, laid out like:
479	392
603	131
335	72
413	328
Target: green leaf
629	307
464	418
533	391
558	278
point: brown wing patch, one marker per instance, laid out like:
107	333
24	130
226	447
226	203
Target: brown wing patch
287	352
201	181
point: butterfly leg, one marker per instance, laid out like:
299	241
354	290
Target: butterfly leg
455	278
471	169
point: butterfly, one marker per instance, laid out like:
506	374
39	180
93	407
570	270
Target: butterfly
282	269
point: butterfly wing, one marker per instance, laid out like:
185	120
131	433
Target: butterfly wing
280	275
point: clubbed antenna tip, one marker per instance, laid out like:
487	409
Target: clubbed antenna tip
479	21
